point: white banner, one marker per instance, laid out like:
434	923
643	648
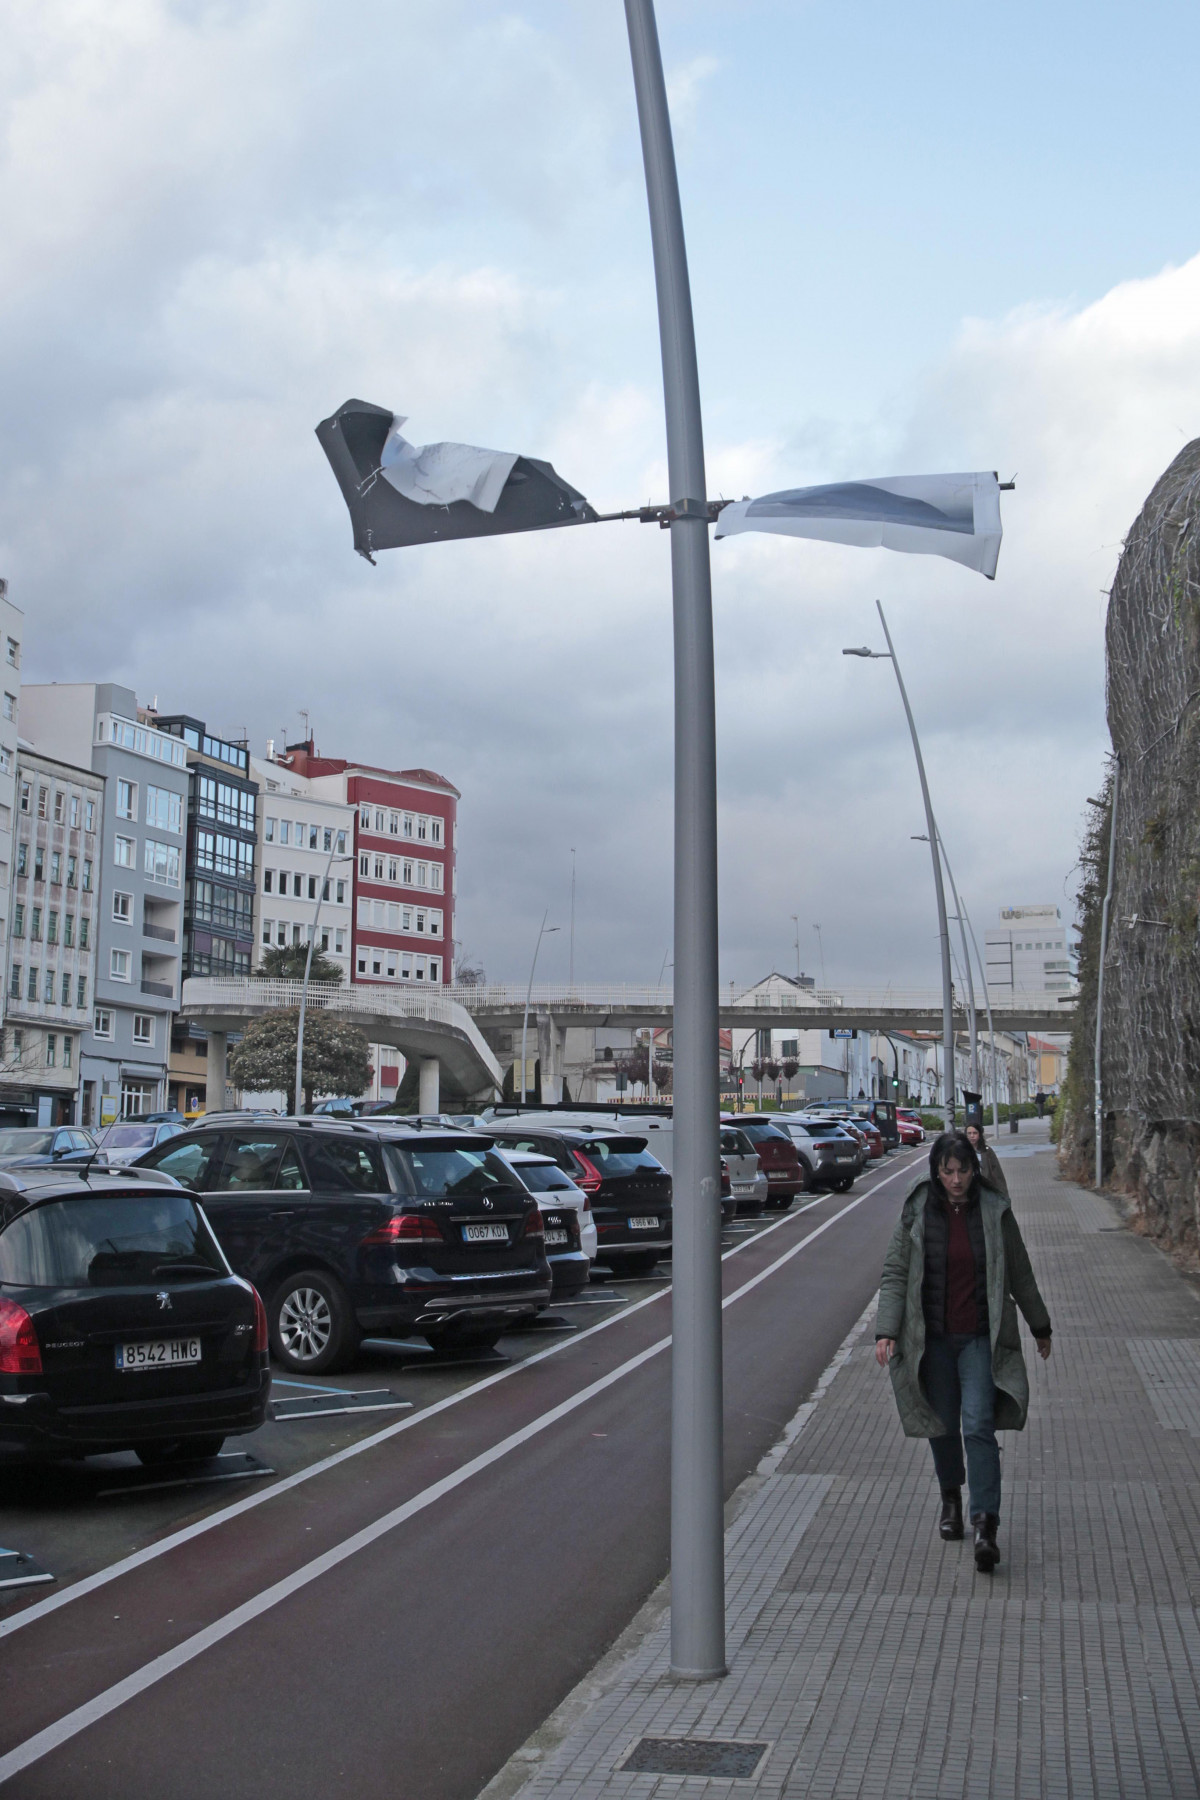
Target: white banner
438	474
932	515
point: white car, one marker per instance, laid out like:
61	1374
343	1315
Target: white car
568	1240
121	1144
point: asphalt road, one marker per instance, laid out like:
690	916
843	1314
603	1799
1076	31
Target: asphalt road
392	1618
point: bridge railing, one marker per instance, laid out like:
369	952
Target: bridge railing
617	997
235	992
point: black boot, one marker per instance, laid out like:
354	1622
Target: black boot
986	1553
950	1525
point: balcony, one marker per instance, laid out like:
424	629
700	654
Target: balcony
158	931
165	990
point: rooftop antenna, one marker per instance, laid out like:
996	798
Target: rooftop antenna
307	730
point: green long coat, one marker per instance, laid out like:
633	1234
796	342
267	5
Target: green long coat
1010	1284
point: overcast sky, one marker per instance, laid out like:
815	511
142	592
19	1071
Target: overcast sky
925	238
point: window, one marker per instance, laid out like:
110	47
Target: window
143	1028
127	796
223	907
84	922
69	930
72	871
43	795
87	876
81	991
122	908
18	1045
56	868
268	926
435	968
66	989
340	891
125	852
394	824
327	840
137	1097
435	831
269	832
297	937
408	874
14	982
24	796
48	989
31	987
222	854
22	859
422	827
324	937
51	1049
60	807
39	863
52	927
90	821
102	1024
341	843
435	924
312	837
162	862
281	933
118	967
18	929
435	876
362	962
379	868
74	812
339	941
285	831
408	825
164	810
420	918
35	922
422	874
419	967
268	879
364	865
68	1046
406	967
312	887
12	652
406	919
393	869
364	817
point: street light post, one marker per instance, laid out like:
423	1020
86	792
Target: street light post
889	655
1105	910
307	972
545	931
697	1479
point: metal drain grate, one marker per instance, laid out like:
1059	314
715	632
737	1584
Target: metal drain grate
694	1756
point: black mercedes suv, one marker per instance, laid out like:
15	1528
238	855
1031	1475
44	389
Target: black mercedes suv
121	1325
353	1229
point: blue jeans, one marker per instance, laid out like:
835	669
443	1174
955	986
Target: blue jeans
957	1376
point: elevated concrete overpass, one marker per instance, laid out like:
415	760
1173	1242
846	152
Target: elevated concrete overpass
846	1009
427	1026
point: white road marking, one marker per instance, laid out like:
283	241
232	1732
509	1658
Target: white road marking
72	1723
139	1558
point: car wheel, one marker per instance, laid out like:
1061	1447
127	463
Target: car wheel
173	1450
806	1177
780	1202
637	1267
844	1185
312	1324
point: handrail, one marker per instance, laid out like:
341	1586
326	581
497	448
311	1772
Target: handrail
616	996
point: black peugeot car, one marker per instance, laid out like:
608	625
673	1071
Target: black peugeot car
353	1229
122	1326
630	1191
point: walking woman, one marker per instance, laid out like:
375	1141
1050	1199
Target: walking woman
990	1172
956	1271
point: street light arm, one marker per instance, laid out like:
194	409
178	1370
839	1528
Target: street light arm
333	857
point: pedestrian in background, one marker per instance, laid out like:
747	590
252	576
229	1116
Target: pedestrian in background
990	1172
956	1271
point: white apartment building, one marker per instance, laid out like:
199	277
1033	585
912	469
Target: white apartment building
297	833
1031	951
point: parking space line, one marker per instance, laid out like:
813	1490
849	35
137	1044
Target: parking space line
101	1705
186	1534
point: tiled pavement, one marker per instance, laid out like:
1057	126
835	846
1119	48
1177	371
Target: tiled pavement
873	1660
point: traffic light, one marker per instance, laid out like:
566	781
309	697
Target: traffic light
895	1081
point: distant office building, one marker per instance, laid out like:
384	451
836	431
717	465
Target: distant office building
52	943
1030	952
138	876
298	834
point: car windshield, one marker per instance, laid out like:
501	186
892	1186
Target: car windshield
129	1137
541	1178
446	1173
757	1133
818	1129
25	1142
108	1240
619	1156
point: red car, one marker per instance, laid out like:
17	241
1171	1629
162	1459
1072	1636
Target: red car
910	1127
873	1135
777	1153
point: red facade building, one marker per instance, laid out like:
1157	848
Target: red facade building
404	864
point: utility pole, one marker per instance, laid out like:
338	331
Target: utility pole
1097	1101
697	1475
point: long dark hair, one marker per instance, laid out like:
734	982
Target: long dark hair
954	1146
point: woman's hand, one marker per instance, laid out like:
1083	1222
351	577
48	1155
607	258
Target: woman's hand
1043	1345
883	1351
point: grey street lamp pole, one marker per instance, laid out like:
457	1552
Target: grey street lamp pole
889	655
697	1480
973	1016
987	1001
1108	894
545	931
297	1101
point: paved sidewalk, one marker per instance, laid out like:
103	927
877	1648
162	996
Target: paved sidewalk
872	1660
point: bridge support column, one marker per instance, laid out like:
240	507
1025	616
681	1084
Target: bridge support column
550	1055
215	1078
430	1095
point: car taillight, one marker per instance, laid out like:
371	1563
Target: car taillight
20	1353
405	1228
591	1179
260	1323
533	1223
726	1184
